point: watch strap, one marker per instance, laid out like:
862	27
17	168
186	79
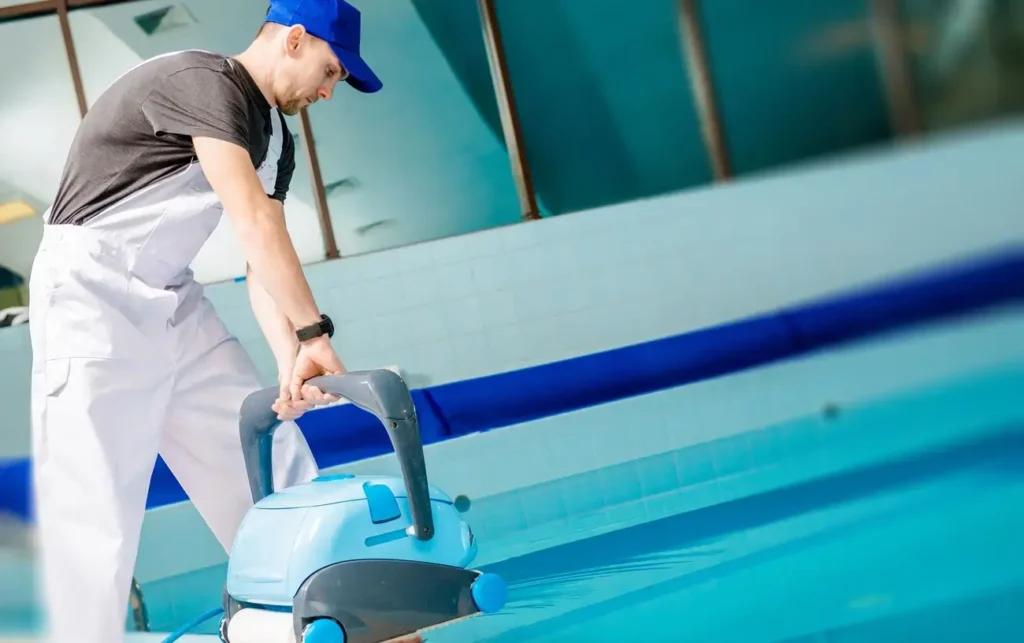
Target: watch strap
323	327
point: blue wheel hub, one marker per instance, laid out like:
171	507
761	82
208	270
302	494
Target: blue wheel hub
323	631
489	592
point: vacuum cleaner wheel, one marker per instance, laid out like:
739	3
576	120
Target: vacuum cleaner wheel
323	630
489	593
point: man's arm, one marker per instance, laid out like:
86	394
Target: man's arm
260	226
280	332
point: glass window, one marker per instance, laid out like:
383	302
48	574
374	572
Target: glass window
604	100
425	157
38	118
795	79
966	59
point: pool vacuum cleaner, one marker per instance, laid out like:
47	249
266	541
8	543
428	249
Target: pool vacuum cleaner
349	559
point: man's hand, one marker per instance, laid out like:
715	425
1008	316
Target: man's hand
286	408
315	358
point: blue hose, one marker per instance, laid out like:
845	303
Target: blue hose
194	623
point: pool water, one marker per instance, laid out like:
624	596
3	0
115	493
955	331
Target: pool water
927	548
924	548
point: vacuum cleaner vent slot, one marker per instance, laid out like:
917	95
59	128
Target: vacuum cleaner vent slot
386	537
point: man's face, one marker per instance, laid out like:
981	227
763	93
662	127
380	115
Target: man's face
308	72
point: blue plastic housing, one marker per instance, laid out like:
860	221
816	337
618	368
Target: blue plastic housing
295	531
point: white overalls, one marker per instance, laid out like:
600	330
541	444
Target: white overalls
131	360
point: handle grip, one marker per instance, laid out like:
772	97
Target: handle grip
379	392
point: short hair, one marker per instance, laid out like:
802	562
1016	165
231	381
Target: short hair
268	29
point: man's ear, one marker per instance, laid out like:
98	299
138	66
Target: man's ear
293	38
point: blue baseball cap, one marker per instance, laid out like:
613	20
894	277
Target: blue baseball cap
336	22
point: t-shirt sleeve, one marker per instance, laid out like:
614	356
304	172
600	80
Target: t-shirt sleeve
286	164
199	102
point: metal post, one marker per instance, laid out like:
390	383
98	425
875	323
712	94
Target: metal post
69	48
507	108
319	193
140	615
691	36
903	111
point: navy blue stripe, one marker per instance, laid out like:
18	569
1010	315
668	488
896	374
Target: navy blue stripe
346	433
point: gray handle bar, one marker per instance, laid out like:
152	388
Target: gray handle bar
380	392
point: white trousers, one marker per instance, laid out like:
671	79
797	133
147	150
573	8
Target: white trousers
123	372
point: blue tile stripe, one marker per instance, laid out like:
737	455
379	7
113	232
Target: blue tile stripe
346	434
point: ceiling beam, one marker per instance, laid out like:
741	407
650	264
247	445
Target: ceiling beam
27	10
40	8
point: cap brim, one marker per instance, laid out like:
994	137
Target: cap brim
360	76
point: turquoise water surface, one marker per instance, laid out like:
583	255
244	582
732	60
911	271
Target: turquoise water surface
927	548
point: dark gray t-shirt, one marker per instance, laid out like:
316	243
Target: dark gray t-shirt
139	131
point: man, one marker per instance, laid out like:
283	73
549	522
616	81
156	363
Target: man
130	359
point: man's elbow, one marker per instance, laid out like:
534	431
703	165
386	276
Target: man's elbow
229	170
259	214
256	230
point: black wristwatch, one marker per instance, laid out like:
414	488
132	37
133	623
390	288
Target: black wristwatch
325	327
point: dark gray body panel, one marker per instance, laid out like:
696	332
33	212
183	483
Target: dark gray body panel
377	600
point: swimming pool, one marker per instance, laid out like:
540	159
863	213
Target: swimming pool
882	517
893	520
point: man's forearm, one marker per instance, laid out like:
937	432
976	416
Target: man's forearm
280	332
272	259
